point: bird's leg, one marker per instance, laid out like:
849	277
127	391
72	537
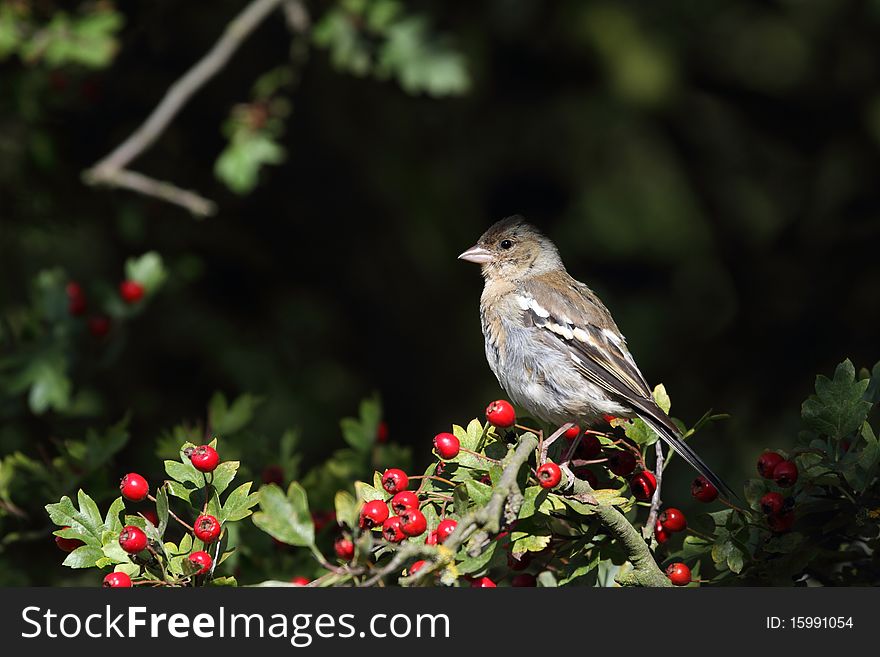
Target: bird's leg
569	475
551	439
571	450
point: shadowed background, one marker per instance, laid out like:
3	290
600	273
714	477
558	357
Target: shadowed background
710	169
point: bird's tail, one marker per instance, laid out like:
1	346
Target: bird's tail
660	422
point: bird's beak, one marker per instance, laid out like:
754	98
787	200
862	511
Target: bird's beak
477	254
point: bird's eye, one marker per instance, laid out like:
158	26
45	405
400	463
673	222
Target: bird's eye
506	244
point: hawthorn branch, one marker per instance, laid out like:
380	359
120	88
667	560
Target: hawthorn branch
645	571
111	170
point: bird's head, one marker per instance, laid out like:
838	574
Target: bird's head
513	250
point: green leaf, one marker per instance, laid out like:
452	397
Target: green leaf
662	398
85	556
85	524
226	420
478	492
346	508
530	542
185	473
112	521
223	475
286	518
754	489
239	164
148	270
367	493
838	407
361	432
238	504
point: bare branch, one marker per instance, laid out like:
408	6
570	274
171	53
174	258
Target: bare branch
111	170
655	500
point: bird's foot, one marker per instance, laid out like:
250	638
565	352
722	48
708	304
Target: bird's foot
569	476
551	439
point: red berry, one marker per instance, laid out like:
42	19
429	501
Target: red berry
781	522
672	520
413	521
483	583
431	538
68	544
772	503
203	559
299	580
204	458
395	480
445	528
679	574
373	514
608	418
116	581
549	475
405	499
660	534
273	474
382	432
134	487
344	548
643	485
500	414
523	580
131	291
572	432
703	490
321	519
99	326
132	539
150	515
446	445
207	528
76	299
392	530
767	462
416	567
785	474
587	475
621	462
589	447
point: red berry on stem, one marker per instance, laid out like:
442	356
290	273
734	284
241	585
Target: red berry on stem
446	445
132	539
151	515
643	485
413	522
621	462
587	475
781	522
549	475
416	567
660	534
99	326
703	490
431	538
520	563
405	499
395	480
500	414
445	529
785	474
608	418
131	291
572	432
204	458
392	530
321	519
299	580
68	544
672	520
203	559
589	447
373	514
767	462
116	581
772	503
134	487
344	548
483	583
206	528
523	580
76	299
679	574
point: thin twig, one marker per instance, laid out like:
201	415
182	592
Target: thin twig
655	499
111	170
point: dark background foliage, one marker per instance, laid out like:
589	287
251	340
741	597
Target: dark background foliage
709	168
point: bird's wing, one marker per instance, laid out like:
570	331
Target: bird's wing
581	325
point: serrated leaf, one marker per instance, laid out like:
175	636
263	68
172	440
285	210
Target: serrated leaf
367	493
85	524
185	473
753	490
838	407
239	503
112	521
286	517
478	492
225	419
346	508
85	556
148	270
223	475
530	543
162	509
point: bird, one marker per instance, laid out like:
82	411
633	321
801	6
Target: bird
553	345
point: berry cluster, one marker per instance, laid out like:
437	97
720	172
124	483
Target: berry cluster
778	510
131	292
